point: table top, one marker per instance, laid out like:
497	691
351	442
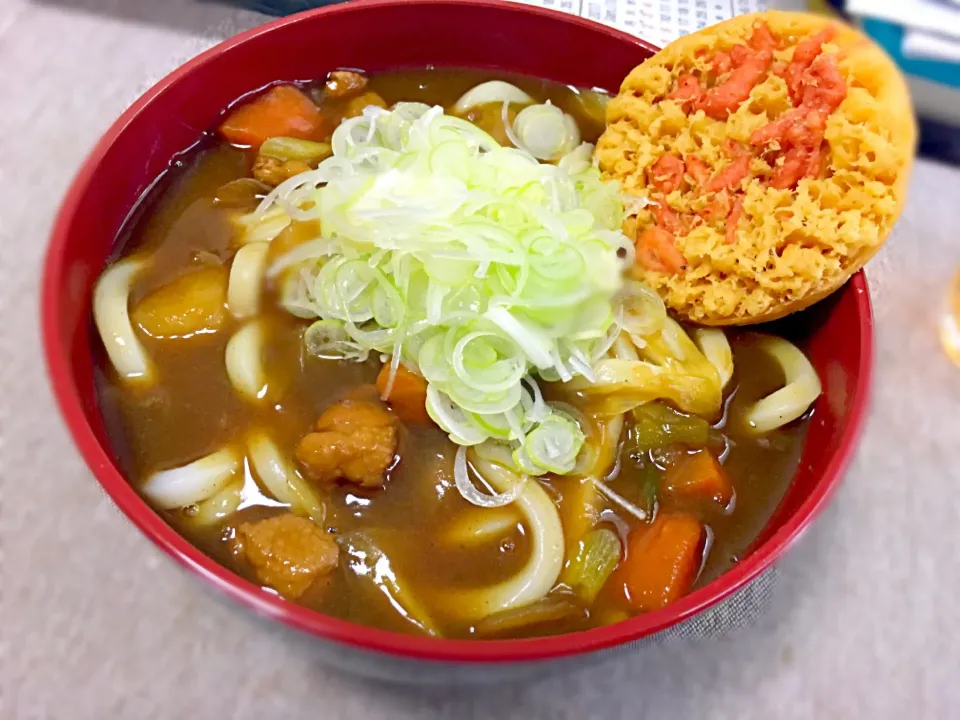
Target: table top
97	623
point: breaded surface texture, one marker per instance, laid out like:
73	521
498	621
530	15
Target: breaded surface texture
757	251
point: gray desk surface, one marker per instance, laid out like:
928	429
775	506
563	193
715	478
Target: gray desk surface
97	624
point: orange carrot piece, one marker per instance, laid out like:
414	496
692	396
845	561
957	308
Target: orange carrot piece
726	97
656	251
408	396
721	63
824	87
730	175
283	111
735	212
716	209
667	217
697	169
662	561
699	476
795	162
803	56
688	89
667	173
763	38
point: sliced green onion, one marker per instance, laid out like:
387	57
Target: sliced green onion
473	263
328	339
545	131
554	444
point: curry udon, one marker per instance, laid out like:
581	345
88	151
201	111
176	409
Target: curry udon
369	356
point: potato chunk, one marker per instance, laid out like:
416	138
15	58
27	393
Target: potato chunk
192	303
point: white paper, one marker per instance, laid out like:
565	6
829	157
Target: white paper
930	15
921	45
657	21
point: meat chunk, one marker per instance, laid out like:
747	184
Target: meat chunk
287	552
355	440
343	83
274	171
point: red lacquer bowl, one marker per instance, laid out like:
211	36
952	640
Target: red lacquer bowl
376	36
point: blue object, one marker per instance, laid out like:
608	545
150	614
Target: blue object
890	37
282	7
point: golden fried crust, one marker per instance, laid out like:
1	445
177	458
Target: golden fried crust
793	246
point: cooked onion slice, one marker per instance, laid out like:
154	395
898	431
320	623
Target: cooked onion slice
112	317
192	483
494	91
281	479
372	567
246	278
714	346
244	361
801	388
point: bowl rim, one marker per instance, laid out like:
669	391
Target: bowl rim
267	603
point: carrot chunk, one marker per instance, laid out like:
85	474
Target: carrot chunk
721	63
763	38
662	561
656	251
697	169
667	217
794	166
282	111
408	396
735	212
803	56
667	173
699	476
688	89
823	86
726	97
730	175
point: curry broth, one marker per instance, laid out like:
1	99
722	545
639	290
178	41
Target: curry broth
193	410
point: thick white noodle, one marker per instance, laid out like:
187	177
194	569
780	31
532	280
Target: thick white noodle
476	527
246	279
192	483
801	388
539	575
244	361
112	317
280	478
221	505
